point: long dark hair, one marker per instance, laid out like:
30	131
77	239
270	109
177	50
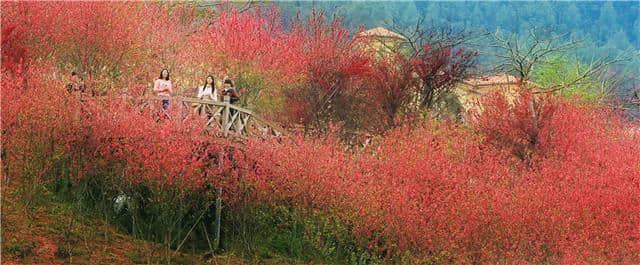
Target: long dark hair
213	82
163	72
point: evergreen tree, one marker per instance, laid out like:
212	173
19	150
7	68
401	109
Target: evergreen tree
477	15
544	13
432	13
636	30
618	42
407	13
504	17
572	17
606	21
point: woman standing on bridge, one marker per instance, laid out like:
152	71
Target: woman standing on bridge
208	91
163	87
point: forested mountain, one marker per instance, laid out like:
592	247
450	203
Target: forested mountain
605	28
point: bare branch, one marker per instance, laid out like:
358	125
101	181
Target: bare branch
417	36
520	56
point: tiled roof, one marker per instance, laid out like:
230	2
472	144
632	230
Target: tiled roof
381	32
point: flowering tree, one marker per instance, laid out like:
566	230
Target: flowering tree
440	69
332	74
14	52
311	66
441	56
394	87
107	43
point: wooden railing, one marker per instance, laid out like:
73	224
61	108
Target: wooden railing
229	119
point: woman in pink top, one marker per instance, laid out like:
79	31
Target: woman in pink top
163	87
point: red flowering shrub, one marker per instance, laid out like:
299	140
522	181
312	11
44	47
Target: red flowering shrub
580	185
314	65
109	43
97	134
440	68
334	72
398	198
393	86
14	52
522	126
450	197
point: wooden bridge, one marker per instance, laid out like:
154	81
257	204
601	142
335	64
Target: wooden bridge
229	120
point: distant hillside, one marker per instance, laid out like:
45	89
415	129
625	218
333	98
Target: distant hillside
607	28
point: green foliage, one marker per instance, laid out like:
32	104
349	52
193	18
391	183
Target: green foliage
288	234
255	90
449	107
20	248
277	233
561	70
153	213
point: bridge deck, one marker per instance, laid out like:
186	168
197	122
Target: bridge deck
231	120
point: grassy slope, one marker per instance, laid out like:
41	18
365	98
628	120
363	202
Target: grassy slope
39	229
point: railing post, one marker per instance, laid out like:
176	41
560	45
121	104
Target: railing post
225	116
179	103
218	212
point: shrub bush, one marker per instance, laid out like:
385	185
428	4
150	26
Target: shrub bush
449	194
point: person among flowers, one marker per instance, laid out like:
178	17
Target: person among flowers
230	91
75	86
163	87
208	91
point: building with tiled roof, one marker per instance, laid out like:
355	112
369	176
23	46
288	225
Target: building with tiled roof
381	32
380	40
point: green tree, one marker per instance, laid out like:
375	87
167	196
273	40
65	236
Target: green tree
618	42
543	13
505	18
476	15
406	13
432	13
560	70
607	21
357	13
636	30
573	17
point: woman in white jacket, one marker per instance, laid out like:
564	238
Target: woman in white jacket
208	91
